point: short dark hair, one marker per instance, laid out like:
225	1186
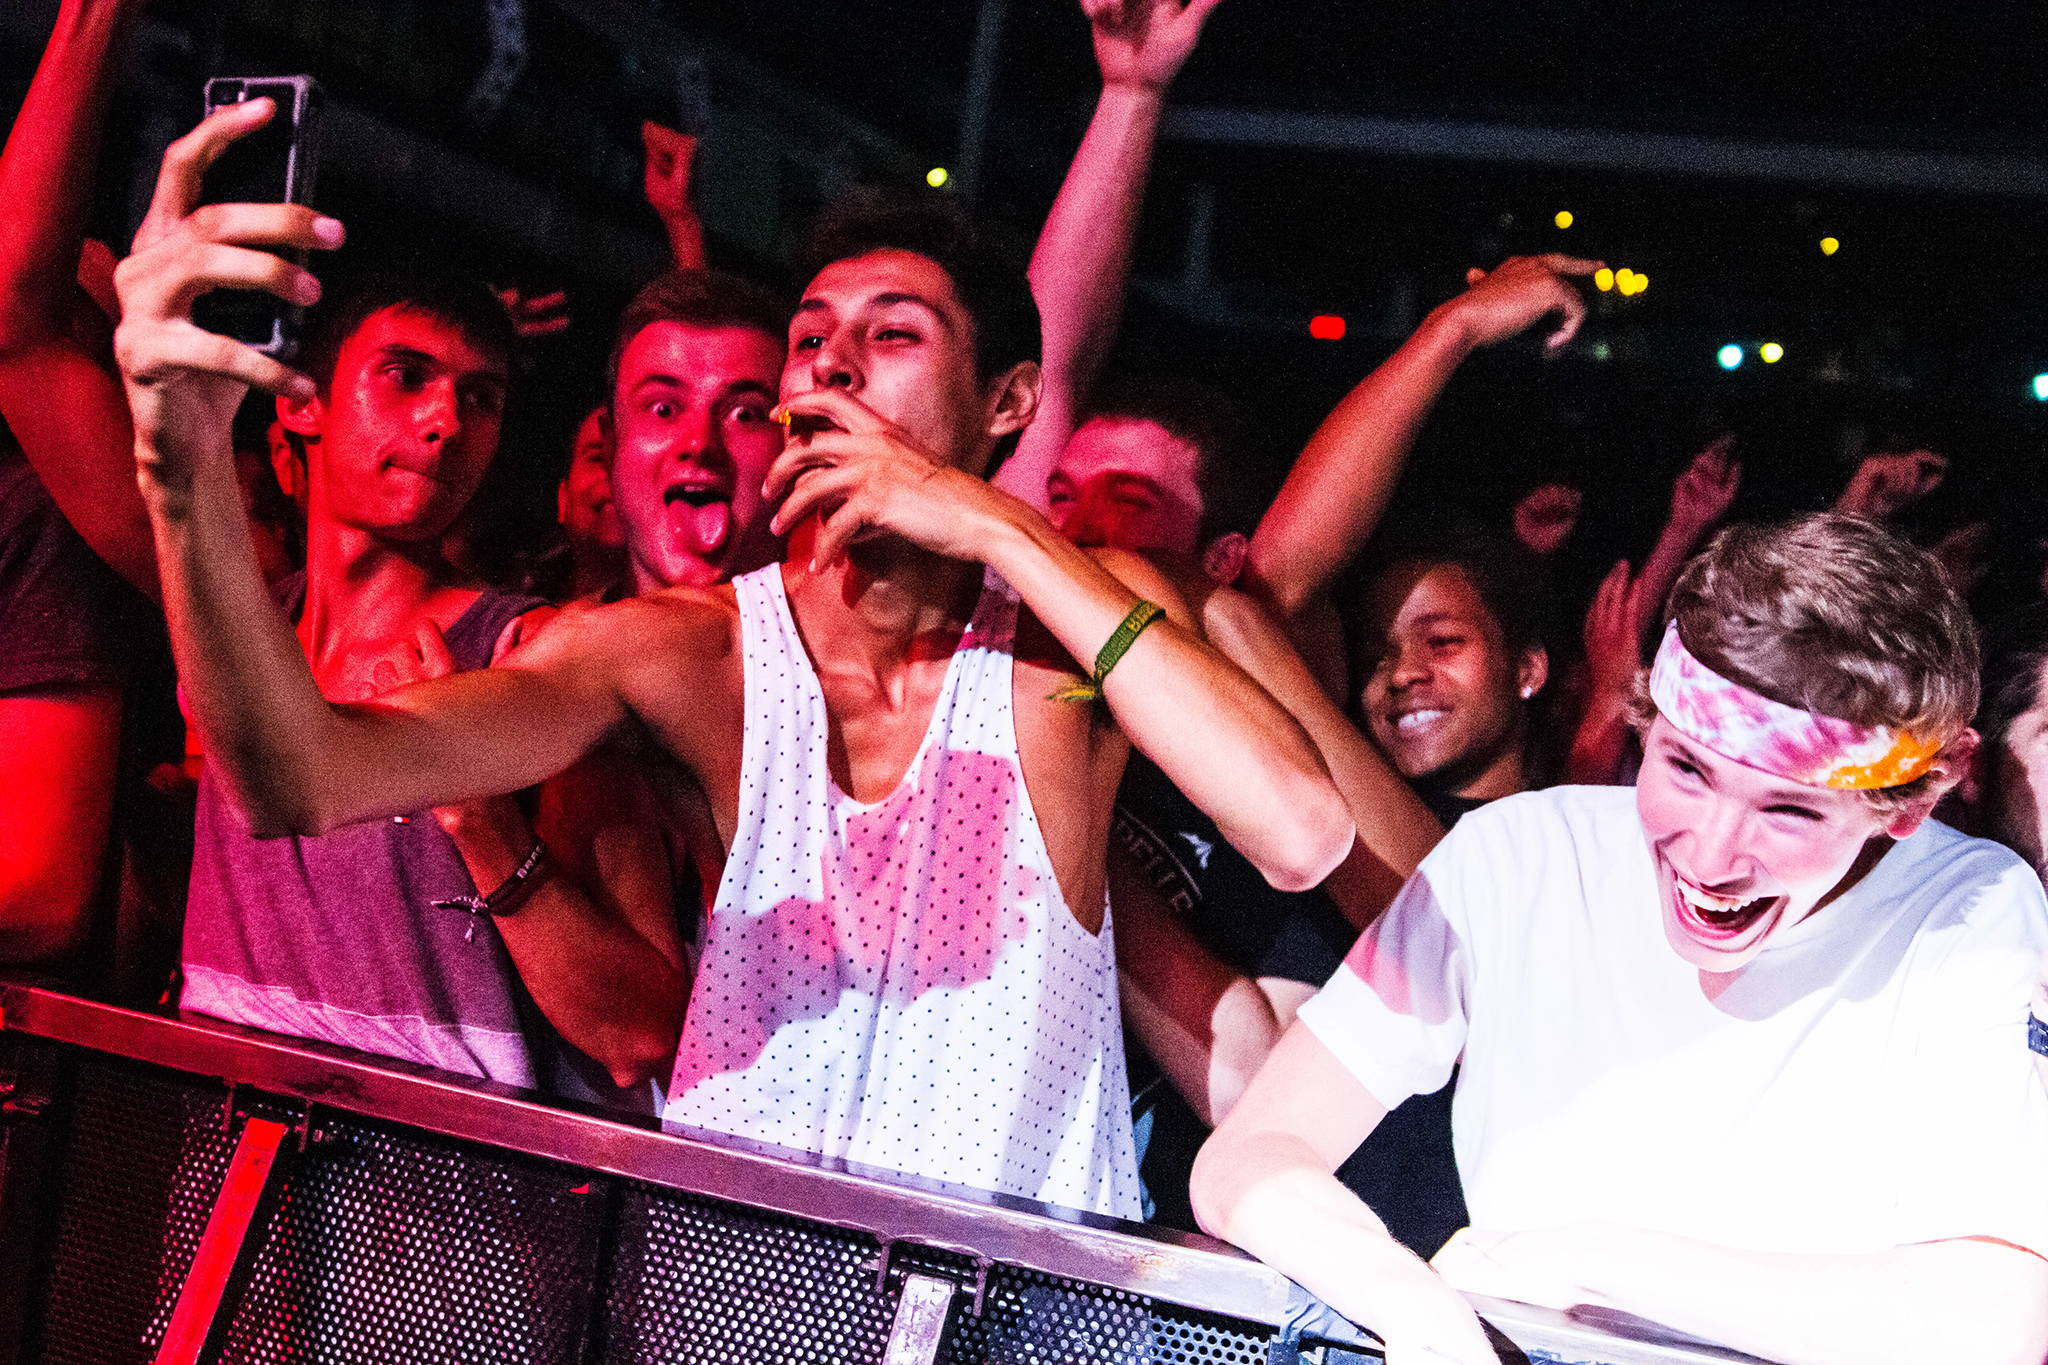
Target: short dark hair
1205	419
2015	652
991	285
1511	583
695	298
462	301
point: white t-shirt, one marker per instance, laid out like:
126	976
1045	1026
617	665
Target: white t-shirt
1864	1083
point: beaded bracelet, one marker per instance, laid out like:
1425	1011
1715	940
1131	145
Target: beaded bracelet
1130	628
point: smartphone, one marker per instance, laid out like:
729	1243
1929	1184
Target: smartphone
273	165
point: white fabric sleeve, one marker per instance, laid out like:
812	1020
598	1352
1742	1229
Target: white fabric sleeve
1973	1101
1395	1013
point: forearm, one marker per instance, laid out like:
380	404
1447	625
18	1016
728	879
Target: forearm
1208	1027
46	169
298	764
1660	571
1079	271
1218	736
1340	484
605	988
1271	1194
1083	258
1984	1303
1600	743
685	238
1395	830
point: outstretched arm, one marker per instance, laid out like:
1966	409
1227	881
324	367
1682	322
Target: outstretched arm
1344	476
1216	734
59	390
1083	259
1964	1300
595	940
296	763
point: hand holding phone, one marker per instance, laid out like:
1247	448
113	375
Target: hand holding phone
274	164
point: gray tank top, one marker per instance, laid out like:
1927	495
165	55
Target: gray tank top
338	938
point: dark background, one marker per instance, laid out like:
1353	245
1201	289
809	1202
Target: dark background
1916	142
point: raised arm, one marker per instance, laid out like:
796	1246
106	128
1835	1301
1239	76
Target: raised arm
59	390
296	763
670	158
1217	735
1083	259
1344	476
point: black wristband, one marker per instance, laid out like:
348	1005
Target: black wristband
512	892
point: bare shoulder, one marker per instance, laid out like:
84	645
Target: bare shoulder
687	621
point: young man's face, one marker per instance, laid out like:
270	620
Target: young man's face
888	329
1741	854
1444	699
693	444
583	503
407	428
1130	484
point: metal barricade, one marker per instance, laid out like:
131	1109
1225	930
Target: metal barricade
183	1190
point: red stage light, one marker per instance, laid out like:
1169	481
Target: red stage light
1326	327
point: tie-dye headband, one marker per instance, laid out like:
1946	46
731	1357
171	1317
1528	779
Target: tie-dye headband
1815	751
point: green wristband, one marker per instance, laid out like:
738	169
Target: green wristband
1113	649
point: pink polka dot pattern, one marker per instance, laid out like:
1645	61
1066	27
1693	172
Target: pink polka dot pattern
901	984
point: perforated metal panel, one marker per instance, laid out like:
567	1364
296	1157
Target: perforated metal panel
390	1247
145	1159
385	1246
702	1281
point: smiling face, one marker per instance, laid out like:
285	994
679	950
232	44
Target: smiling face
409	424
1444	699
888	329
583	502
1741	854
1130	484
693	445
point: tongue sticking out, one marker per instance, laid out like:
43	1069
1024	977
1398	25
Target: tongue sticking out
707	525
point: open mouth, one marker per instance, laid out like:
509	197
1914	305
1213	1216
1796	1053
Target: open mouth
702	513
1718	919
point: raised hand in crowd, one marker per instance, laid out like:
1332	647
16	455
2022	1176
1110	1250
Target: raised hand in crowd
1082	263
1700	498
1886	484
1341	482
1962	555
1625	611
671	156
536	315
1546	516
1612	637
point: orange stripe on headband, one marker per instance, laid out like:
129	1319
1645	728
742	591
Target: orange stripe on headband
1812	750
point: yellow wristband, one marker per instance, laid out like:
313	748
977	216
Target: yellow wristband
1129	629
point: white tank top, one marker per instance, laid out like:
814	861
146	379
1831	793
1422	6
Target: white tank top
901	984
